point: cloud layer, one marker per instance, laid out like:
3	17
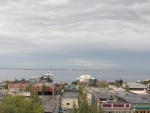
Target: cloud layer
74	32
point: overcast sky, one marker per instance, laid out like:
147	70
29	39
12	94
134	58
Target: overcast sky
97	34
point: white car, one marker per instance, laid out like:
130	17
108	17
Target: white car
63	111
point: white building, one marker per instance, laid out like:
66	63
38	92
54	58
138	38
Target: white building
137	86
86	79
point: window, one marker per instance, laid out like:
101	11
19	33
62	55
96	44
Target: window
127	105
118	105
68	103
106	105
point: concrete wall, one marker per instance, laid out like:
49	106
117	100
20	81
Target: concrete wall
67	103
89	98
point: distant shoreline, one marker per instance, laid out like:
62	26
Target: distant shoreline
59	69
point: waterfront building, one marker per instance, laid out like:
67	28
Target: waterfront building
86	80
50	88
45	81
18	85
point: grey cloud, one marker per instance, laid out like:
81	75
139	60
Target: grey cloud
74	26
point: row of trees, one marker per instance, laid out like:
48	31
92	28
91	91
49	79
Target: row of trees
83	106
147	81
117	83
22	80
19	104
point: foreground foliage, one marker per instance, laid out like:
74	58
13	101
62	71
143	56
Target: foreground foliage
19	104
83	106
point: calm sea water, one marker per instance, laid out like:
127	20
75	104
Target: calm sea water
69	76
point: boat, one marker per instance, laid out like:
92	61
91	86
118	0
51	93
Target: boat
48	77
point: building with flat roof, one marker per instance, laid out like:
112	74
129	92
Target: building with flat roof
44	84
136	86
50	88
68	99
139	103
108	102
18	85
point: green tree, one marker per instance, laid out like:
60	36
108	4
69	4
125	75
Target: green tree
23	80
43	89
28	88
6	86
74	82
83	106
146	82
127	87
103	85
121	82
117	83
66	83
19	104
111	83
34	96
16	80
61	89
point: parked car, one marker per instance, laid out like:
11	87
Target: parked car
63	111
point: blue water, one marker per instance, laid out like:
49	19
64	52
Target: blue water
69	76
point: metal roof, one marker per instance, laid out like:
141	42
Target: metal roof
136	85
48	103
70	94
133	98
